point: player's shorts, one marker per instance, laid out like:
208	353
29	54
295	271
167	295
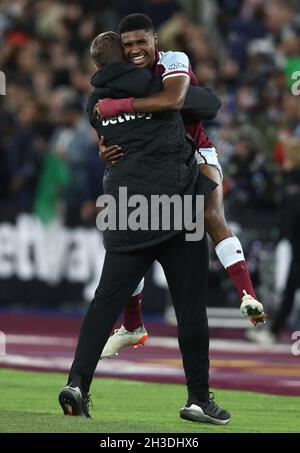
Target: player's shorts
208	156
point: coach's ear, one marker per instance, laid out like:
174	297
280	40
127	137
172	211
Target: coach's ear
155	38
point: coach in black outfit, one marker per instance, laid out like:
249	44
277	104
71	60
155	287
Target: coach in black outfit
158	159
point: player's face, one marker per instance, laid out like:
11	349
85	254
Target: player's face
139	47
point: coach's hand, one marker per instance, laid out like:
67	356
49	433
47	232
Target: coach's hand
109	153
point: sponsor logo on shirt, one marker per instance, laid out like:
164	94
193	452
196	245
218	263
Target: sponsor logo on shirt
177	65
125	117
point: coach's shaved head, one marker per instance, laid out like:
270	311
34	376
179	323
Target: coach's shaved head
106	48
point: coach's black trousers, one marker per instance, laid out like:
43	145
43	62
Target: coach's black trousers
186	266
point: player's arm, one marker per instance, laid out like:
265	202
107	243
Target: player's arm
196	103
176	80
200	103
170	98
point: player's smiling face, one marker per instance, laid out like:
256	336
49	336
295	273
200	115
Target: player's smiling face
139	47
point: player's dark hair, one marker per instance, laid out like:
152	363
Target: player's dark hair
106	48
133	22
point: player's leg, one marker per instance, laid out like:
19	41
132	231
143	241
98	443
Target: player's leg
132	332
133	309
120	275
227	246
186	267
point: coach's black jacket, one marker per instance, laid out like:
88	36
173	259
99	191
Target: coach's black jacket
158	157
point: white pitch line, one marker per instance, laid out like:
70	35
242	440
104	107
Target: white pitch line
117	367
108	366
59	363
166	342
224	345
40	340
228	323
290	383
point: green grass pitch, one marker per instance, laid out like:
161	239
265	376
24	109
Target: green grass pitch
29	404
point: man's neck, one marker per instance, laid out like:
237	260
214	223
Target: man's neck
156	58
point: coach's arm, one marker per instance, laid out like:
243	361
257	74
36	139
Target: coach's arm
200	104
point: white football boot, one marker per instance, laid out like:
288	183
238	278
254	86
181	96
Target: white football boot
123	338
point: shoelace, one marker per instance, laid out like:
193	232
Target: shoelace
126	332
87	403
122	333
90	402
212	405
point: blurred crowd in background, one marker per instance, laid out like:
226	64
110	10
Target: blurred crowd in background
247	51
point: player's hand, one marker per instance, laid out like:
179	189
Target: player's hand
110	154
108	108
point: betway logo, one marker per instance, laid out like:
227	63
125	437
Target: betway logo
125	117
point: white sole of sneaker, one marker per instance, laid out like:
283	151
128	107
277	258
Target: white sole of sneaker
196	414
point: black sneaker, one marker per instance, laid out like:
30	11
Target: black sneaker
207	411
74	401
